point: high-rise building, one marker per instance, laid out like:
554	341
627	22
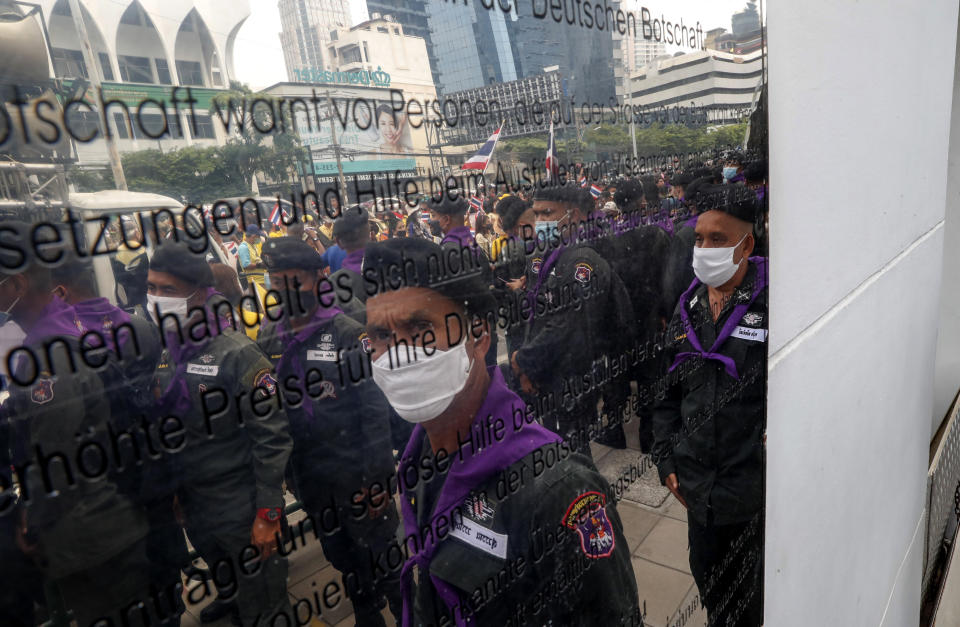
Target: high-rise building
412	14
470	48
746	21
306	27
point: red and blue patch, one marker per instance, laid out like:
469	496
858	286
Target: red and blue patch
588	516
583	273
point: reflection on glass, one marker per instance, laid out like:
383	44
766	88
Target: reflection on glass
418	314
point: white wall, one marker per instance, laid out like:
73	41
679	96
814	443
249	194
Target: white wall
947	377
858	150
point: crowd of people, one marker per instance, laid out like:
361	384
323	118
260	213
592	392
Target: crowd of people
425	386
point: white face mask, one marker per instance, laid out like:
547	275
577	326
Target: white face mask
176	305
714	266
421	389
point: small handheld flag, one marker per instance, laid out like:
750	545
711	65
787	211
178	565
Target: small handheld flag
595	191
476	203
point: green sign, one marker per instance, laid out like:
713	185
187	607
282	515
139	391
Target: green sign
132	94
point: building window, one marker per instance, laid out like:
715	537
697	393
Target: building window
135	69
190	73
83	123
366	53
350	55
69	63
105	66
216	78
120	121
204	129
163	71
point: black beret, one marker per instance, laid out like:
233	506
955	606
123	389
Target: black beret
416	262
350	220
289	253
738	200
448	206
177	259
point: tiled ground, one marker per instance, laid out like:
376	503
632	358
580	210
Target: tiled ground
655	526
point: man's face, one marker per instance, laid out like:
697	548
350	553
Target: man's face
303	280
548	210
165	284
717	229
415	313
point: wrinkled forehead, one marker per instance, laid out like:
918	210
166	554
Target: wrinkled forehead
395	308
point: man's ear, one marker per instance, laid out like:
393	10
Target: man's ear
748	244
482	344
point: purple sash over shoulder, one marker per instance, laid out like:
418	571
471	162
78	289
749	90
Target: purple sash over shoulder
353	261
56	319
735	317
292	342
545	269
459	235
98	314
176	398
465	474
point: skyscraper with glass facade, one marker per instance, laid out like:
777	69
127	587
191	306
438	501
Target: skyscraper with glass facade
306	27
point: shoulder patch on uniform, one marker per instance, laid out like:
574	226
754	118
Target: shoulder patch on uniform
477	507
263	379
588	515
365	342
327	390
206	359
42	391
752	319
535	264
583	272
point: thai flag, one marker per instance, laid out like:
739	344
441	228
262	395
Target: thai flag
476	203
595	191
275	214
480	160
584	182
550	163
232	247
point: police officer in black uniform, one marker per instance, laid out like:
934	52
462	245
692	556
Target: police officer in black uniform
708	427
228	476
581	313
84	534
340	423
504	523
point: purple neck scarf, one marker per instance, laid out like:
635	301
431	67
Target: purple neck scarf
759	283
176	398
353	261
56	319
292	342
459	235
463	476
545	269
97	314
692	222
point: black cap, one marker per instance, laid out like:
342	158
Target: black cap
416	262
448	206
738	200
289	253
350	220
177	259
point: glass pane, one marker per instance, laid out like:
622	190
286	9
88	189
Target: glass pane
384	312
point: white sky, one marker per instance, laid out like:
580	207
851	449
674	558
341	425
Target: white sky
258	57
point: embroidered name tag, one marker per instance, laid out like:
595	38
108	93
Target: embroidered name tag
479	537
207	371
313	355
746	333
